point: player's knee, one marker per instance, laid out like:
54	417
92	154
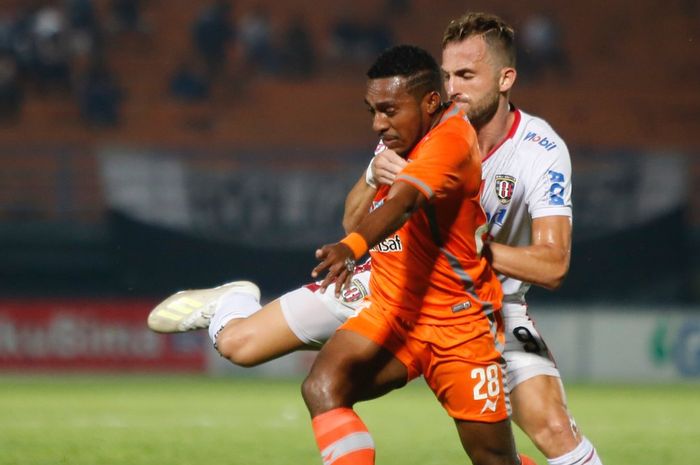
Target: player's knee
557	430
319	391
310	390
313	387
238	347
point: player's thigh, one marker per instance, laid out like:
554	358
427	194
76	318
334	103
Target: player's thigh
313	316
488	443
358	362
539	406
520	331
462	365
308	316
345	371
261	337
522	366
526	353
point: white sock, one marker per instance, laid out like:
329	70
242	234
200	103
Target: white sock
232	305
584	454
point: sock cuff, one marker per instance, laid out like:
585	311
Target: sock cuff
232	305
583	454
334	419
342	438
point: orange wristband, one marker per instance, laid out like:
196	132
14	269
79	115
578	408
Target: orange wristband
357	244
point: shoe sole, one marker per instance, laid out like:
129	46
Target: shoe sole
167	316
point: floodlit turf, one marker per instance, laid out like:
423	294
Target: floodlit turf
192	421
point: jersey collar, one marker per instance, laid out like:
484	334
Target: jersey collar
511	132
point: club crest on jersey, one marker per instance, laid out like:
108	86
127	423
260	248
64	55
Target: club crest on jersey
390	244
354	292
505	185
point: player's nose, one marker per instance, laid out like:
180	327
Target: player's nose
449	86
380	122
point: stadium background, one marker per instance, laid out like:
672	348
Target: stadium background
154	145
151	145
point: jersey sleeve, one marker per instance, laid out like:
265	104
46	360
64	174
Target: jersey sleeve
550	191
438	167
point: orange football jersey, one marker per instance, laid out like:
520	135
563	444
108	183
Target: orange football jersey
431	271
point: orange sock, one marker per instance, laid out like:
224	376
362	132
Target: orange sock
342	438
525	460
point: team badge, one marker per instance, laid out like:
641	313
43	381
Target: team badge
354	292
505	185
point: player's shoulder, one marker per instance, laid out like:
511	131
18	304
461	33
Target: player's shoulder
454	130
536	137
457	123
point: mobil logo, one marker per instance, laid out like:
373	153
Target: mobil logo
540	140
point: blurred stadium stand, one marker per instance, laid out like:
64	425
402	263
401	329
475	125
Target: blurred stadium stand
628	95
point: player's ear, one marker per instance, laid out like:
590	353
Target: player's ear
432	101
507	79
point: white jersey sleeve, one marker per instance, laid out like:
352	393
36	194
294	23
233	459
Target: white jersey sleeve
548	179
528	176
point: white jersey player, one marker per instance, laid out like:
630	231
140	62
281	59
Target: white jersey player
527	176
527	197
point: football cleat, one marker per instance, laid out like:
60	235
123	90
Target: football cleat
193	309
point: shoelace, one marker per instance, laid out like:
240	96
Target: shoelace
205	313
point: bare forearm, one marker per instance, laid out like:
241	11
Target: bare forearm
357	204
383	221
543	264
395	210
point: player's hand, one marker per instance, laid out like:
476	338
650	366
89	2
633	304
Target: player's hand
338	259
386	165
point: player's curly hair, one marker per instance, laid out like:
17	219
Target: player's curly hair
417	65
498	34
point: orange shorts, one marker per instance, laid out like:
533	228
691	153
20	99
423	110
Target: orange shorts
462	363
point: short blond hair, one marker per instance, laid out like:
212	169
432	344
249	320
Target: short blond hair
497	34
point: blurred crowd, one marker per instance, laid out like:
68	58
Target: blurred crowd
62	48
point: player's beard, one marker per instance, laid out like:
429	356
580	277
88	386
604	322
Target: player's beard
482	111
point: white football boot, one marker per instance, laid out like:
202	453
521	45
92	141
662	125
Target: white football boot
193	309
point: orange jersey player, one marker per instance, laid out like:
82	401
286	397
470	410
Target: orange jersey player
434	302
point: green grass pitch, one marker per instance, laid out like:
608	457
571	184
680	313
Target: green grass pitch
127	420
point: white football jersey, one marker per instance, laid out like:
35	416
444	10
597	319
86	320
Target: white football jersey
527	176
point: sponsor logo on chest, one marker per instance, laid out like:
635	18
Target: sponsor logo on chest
390	244
505	186
540	140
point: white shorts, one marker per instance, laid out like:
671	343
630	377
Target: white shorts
526	353
314	316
